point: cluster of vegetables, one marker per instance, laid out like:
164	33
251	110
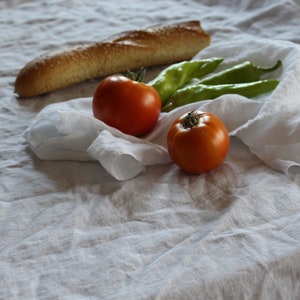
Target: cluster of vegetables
175	87
197	141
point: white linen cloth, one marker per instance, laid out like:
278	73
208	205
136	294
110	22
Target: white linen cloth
69	230
271	128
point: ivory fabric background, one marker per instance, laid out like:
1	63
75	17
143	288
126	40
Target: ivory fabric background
69	230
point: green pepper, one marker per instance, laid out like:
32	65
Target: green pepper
244	72
198	92
178	75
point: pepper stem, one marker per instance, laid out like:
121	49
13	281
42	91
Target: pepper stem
271	69
191	119
168	107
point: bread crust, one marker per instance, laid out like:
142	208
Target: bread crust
161	44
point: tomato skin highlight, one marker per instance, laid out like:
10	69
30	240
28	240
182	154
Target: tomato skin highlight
199	148
130	106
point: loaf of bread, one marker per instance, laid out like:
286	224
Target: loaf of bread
162	44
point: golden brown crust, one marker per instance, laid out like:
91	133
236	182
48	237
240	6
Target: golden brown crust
132	49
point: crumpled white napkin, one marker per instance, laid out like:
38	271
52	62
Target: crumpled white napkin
271	128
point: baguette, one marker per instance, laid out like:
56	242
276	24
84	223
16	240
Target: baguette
162	44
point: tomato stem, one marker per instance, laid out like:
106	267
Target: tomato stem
136	76
192	119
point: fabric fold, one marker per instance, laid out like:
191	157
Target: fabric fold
125	158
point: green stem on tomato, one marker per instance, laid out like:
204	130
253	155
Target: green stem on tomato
191	119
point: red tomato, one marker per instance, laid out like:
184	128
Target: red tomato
130	106
198	142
